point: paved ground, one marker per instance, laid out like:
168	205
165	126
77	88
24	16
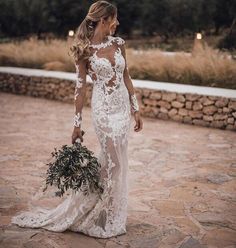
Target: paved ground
182	178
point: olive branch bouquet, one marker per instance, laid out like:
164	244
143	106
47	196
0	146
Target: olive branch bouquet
74	167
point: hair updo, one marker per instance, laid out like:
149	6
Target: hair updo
100	9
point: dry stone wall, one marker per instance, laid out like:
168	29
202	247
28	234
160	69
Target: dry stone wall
209	111
195	109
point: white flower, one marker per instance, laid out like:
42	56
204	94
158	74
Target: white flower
84	163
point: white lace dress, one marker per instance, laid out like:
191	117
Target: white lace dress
112	102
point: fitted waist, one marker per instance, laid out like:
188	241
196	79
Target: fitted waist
114	102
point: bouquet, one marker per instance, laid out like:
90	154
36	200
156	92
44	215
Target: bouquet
74	167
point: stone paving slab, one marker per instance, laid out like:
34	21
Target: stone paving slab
181	178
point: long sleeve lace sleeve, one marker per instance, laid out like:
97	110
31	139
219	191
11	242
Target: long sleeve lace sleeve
80	91
128	81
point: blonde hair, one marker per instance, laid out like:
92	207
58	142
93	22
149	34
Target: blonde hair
80	48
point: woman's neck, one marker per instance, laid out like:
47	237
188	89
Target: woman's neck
98	37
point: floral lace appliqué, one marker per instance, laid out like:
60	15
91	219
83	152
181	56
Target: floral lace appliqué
111	118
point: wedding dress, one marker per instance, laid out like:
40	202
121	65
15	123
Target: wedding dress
112	103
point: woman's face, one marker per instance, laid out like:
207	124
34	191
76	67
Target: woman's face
111	24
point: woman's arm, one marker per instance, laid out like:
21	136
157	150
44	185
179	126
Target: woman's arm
79	96
128	81
80	91
129	85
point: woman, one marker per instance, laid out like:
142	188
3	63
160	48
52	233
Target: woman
101	56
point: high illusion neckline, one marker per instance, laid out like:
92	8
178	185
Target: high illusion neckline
102	44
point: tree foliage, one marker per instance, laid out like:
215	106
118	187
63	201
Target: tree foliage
148	17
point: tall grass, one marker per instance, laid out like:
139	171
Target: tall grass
34	53
207	66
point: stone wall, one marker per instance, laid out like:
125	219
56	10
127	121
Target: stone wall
195	109
209	111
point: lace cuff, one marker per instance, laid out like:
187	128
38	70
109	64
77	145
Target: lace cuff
77	120
134	103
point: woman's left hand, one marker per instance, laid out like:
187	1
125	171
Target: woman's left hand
139	123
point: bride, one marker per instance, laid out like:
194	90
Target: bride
102	56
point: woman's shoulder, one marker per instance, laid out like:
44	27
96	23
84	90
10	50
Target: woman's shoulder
119	40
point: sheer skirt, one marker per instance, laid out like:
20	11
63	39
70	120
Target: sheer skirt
105	217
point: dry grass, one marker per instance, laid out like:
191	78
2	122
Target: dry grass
33	53
207	66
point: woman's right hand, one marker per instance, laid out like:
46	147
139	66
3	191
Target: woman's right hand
139	123
77	133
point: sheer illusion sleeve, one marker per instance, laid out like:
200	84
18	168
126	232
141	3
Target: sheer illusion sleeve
80	91
127	79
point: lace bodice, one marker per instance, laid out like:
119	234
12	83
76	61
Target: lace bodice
108	69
